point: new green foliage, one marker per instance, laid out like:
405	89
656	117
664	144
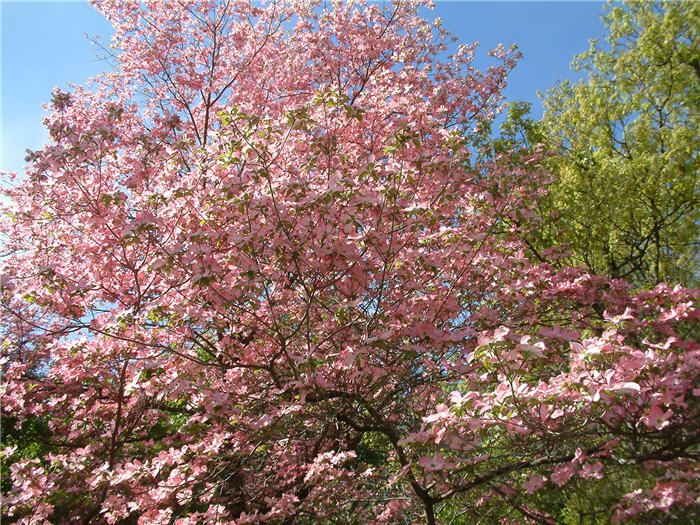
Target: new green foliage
625	143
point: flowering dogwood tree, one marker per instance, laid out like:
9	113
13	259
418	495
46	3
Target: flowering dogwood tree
254	276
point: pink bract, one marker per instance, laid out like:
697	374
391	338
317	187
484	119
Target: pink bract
257	276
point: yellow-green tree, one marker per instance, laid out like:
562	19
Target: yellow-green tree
625	198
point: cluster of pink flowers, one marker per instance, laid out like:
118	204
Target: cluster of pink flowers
256	275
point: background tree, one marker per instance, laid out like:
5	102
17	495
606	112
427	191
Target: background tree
253	277
624	148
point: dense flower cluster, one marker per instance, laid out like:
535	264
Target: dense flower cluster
256	276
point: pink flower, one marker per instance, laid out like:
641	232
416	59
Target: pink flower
562	474
500	333
416	437
437	462
456	398
627	388
657	418
592	470
535	483
442	412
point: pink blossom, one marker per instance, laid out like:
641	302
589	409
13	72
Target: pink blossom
534	484
657	418
589	470
437	462
257	272
562	474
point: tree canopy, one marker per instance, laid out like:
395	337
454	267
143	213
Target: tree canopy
625	163
256	275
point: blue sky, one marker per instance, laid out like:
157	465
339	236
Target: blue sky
43	46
